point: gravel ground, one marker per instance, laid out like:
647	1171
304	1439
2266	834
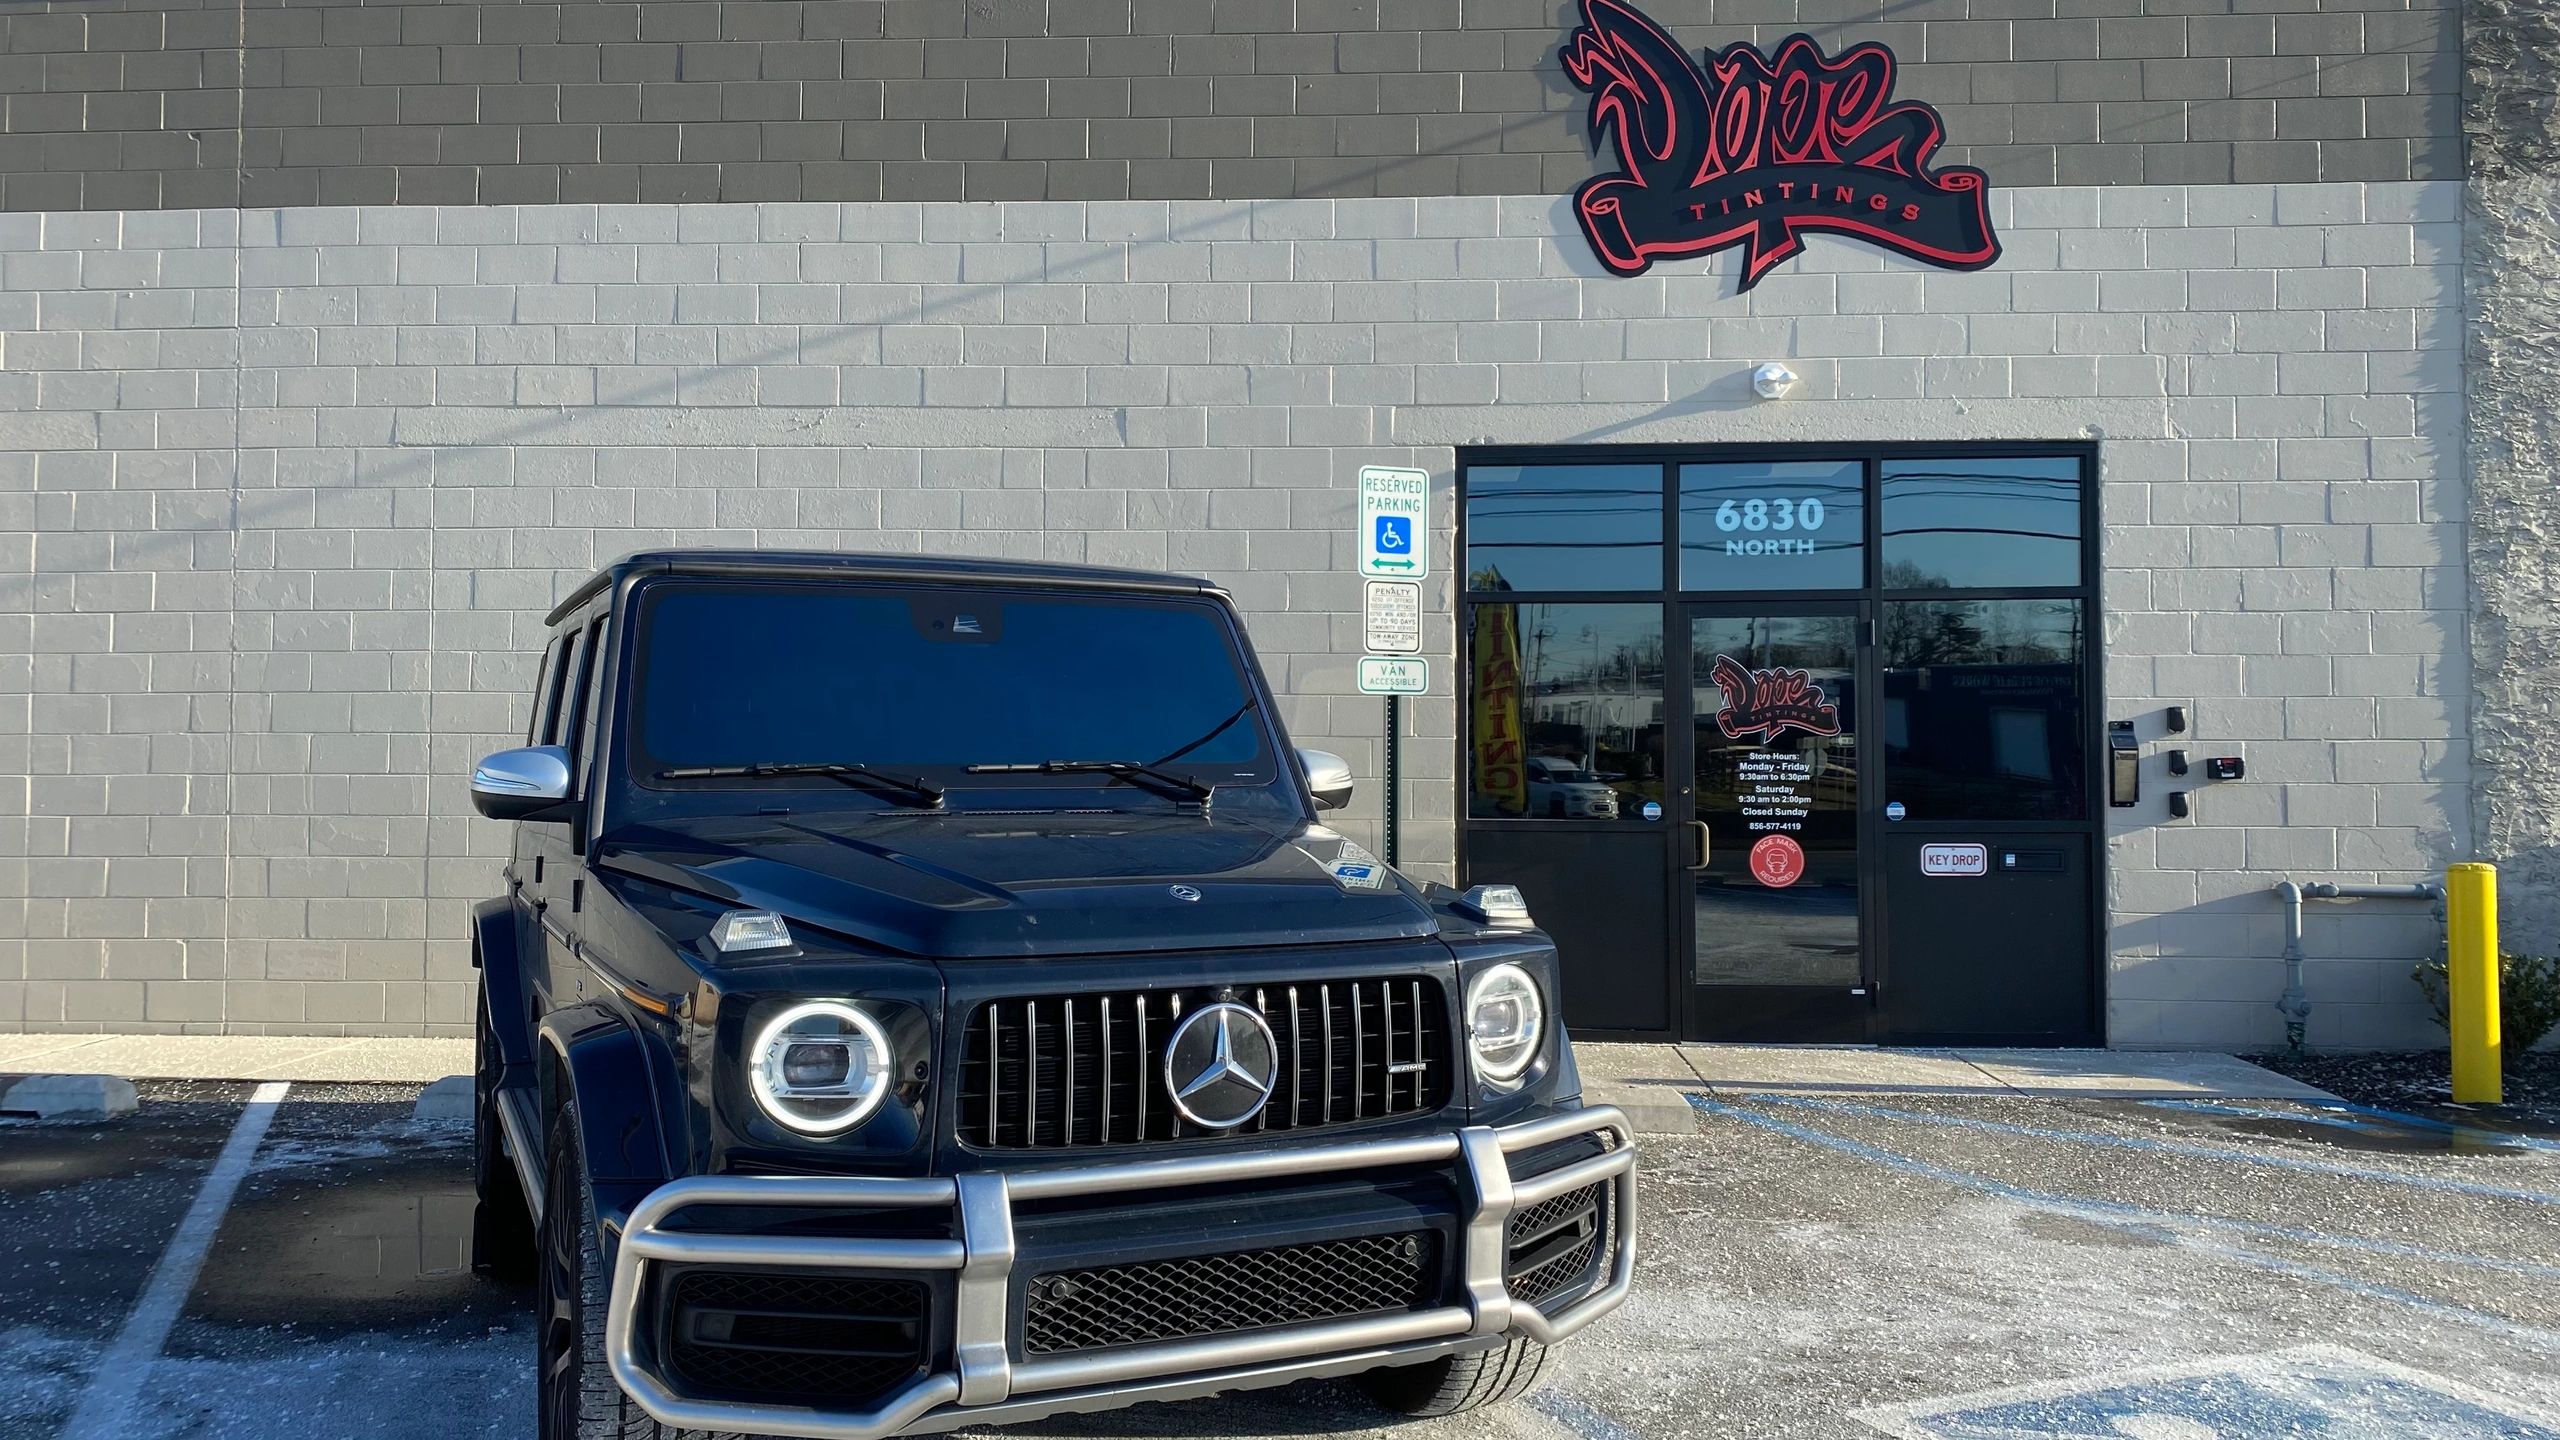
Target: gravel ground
1811	1268
2422	1081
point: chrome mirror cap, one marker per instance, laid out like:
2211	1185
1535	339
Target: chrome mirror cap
1328	778
521	784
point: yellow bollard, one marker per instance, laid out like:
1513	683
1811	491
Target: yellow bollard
2471	982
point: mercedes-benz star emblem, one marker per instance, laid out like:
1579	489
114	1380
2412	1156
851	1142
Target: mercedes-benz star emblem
1182	892
1221	1065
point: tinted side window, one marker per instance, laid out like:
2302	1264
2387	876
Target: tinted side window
546	695
590	705
568	685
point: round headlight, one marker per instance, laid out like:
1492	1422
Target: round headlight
820	1067
1506	1019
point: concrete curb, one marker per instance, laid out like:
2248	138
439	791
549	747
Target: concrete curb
63	1097
1651	1109
303	1058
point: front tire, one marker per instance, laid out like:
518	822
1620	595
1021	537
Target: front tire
1455	1384
576	1397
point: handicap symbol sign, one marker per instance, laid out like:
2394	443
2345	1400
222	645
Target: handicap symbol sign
1395	522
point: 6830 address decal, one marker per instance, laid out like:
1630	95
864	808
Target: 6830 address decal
1770	524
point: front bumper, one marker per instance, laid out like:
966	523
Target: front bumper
987	1385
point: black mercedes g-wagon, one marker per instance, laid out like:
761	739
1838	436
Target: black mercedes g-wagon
925	995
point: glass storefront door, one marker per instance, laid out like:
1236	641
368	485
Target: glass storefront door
1773	736
1774	912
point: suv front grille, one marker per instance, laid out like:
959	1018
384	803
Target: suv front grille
801	1338
1218	1294
1068	1070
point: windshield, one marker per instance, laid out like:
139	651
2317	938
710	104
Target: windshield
932	681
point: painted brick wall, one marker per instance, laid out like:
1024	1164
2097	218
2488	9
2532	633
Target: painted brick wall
113	104
283	497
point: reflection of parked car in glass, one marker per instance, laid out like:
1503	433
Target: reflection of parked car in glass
1563	790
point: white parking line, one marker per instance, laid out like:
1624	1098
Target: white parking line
106	1406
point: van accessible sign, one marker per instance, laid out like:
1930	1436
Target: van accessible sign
1759	147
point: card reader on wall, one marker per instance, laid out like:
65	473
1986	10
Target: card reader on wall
2225	767
2124	765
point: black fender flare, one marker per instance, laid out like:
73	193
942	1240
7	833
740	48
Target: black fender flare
619	1077
495	951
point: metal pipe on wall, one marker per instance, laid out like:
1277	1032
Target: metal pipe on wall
2295	1003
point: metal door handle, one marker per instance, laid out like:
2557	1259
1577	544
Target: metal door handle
1706	848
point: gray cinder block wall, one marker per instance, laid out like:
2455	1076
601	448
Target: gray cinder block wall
291	490
287	488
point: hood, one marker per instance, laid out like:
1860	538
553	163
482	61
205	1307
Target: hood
962	886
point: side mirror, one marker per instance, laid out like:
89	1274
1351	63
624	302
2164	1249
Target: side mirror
522	784
1328	778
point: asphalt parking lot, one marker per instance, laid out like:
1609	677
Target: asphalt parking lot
1950	1268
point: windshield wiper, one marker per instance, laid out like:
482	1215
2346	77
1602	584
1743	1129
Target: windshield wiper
862	777
1163	782
1251	704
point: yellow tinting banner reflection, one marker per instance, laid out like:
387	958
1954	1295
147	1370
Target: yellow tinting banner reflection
1501	781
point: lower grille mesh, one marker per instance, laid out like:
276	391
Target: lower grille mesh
795	1336
1553	1243
1216	1294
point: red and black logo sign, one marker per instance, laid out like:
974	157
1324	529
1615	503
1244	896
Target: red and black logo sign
1762	704
1757	148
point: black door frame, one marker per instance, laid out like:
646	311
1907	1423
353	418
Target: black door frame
1867	599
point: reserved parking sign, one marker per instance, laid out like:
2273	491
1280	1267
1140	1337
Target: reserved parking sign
1395	522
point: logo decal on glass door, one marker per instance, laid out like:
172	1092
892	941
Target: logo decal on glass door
1763	704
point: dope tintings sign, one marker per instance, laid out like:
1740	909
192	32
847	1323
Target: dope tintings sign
1757	148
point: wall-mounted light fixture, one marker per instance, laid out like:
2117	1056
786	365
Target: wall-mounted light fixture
1773	381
